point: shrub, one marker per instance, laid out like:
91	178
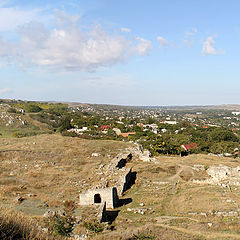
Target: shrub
22	134
94	226
65	124
142	236
62	224
17	226
58	225
11	110
32	108
65	133
223	135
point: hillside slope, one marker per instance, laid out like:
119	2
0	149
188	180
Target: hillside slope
166	198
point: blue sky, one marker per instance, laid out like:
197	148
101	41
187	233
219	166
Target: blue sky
138	52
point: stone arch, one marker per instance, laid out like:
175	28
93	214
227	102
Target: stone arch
97	198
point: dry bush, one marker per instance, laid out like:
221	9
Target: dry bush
17	226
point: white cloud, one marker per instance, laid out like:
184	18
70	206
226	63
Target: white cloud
189	37
109	82
69	47
192	32
188	42
5	90
144	46
128	30
209	47
64	19
11	18
162	41
73	49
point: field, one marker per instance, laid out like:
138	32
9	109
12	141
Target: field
46	170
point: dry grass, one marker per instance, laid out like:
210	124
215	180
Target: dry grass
48	169
52	168
17	226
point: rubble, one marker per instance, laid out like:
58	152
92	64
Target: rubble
222	175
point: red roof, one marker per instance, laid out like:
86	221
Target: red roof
128	133
104	127
190	146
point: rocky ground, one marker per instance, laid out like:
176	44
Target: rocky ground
193	197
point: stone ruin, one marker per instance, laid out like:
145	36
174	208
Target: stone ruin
222	175
116	179
118	176
108	196
143	155
119	161
102	215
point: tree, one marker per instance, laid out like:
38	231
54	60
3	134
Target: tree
219	135
65	124
32	108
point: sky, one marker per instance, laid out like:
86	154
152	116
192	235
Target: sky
128	52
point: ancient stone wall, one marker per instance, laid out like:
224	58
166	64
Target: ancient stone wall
124	180
98	196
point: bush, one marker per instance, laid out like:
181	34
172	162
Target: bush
17	226
65	124
22	134
94	226
223	135
32	108
142	236
62	224
11	110
65	133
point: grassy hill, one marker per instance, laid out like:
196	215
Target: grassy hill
46	170
17	124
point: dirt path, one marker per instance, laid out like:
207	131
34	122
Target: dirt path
206	235
164	219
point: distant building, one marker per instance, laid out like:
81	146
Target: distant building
189	146
235	113
117	131
126	134
105	127
169	122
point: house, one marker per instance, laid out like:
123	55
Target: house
189	146
117	131
169	122
235	113
126	134
105	127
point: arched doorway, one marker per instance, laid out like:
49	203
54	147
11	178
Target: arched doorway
97	198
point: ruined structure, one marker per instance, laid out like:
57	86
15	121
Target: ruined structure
102	215
143	155
222	175
99	196
116	179
125	180
120	161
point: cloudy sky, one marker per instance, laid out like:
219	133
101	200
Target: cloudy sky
138	52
